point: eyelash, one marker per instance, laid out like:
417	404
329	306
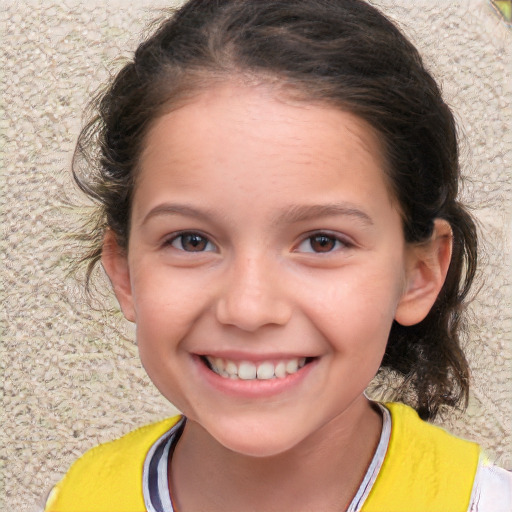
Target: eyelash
181	236
340	243
321	237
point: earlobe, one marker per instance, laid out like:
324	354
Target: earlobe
115	263
427	266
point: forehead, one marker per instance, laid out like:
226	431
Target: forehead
238	106
260	139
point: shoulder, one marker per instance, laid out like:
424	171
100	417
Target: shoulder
407	426
452	463
109	472
492	491
425	467
136	442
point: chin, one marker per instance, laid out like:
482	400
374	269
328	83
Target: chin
256	439
258	448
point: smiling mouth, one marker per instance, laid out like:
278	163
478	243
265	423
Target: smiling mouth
246	370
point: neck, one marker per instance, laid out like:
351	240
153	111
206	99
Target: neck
323	472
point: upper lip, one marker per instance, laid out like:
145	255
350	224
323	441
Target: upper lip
253	357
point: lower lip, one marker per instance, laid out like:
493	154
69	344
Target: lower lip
255	388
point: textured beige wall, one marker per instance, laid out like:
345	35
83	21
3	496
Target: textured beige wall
71	375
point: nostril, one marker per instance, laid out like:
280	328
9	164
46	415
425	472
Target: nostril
251	313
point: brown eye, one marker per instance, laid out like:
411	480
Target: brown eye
322	243
192	242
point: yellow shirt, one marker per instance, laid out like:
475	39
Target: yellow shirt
425	469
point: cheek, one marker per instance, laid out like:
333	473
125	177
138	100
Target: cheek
165	315
163	297
354	310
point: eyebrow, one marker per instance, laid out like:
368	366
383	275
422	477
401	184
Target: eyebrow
293	214
177	209
300	213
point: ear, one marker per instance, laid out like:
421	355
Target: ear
115	263
427	266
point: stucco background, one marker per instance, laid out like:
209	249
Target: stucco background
71	375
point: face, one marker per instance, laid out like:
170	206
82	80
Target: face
265	266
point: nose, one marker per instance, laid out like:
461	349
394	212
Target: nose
253	296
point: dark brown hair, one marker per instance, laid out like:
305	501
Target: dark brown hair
341	52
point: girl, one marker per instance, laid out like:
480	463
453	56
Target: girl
277	213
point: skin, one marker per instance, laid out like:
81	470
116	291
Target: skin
300	254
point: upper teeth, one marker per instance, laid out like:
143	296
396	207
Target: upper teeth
246	370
